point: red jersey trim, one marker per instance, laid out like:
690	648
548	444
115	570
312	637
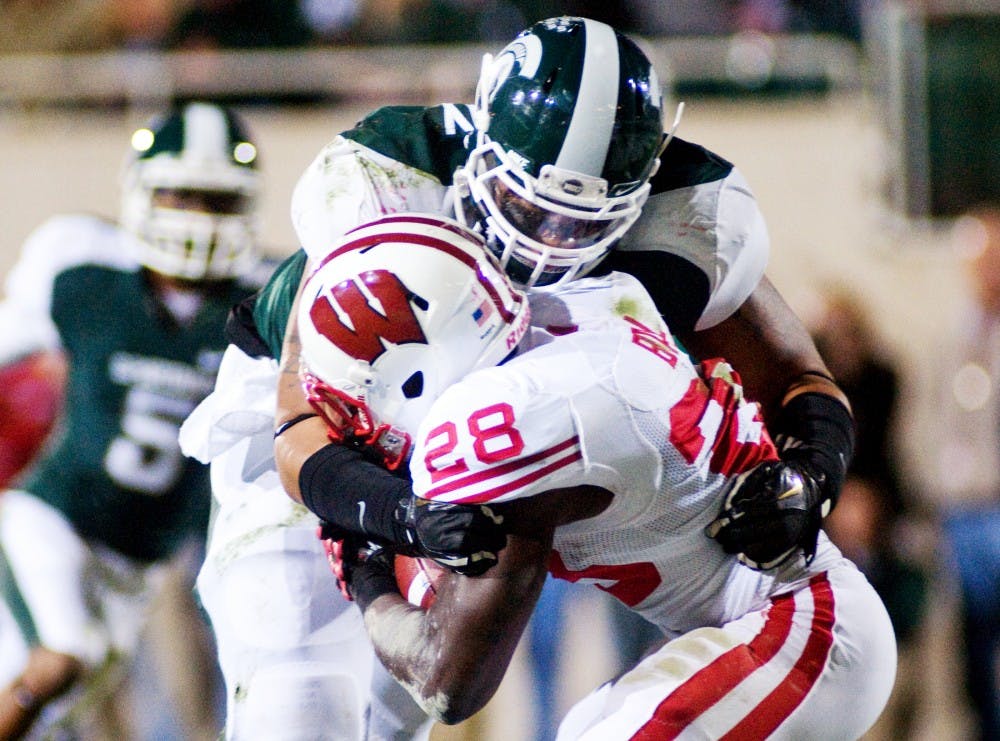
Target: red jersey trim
569	450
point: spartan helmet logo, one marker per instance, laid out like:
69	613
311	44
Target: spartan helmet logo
369	330
521	57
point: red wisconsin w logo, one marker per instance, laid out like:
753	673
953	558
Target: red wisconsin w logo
371	328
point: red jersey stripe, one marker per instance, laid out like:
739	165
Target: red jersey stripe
501	470
489	495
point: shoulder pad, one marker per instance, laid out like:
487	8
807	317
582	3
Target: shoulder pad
494	438
64	241
432	139
684	164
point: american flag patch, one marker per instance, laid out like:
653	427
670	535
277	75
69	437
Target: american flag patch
484	312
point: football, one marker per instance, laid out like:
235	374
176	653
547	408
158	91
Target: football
31	392
417	579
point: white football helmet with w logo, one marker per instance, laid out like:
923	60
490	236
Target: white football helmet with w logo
401	309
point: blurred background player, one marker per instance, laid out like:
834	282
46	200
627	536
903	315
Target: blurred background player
137	311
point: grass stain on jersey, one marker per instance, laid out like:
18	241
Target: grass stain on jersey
640	308
235	547
628	307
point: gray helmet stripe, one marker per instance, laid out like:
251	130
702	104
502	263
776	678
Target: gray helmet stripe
206	131
589	134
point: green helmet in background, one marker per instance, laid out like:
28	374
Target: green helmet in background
569	131
190	191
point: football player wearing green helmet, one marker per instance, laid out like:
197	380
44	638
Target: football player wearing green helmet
563	166
189	192
137	311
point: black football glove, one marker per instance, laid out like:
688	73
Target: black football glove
372	574
464	538
343	489
341	548
770	513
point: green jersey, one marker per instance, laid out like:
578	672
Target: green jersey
115	469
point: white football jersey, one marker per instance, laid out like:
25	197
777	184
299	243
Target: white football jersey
600	394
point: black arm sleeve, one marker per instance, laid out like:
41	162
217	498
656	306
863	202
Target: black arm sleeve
817	430
343	488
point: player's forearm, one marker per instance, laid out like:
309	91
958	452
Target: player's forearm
342	488
406	646
300	432
294	447
804	409
307	433
770	348
815	380
453	656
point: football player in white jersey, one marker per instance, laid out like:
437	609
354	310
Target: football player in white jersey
607	455
137	310
564	165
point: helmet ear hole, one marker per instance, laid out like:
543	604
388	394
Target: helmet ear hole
413	387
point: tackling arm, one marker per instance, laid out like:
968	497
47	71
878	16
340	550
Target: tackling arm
294	443
771	348
765	519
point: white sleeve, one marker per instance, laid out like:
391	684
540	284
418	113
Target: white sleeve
717	226
349	184
241	406
487	440
26	311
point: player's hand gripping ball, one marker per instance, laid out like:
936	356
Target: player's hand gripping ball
418	579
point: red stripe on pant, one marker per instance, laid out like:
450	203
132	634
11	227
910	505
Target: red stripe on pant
712	683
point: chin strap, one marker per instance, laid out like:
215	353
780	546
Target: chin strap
667	138
673	128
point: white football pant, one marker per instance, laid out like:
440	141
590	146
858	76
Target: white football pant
816	663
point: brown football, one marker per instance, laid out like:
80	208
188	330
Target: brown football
417	579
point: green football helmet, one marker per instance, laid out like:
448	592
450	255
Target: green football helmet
189	194
569	132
